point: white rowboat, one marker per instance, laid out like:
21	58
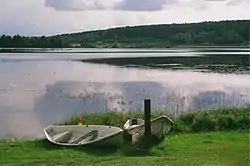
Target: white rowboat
81	135
160	126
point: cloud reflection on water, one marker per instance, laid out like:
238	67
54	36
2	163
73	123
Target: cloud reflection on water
35	94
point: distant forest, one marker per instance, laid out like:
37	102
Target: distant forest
235	32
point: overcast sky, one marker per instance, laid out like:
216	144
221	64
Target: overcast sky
48	17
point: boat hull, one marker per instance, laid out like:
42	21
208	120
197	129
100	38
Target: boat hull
160	127
70	135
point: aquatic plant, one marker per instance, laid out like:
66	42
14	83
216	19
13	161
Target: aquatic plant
194	121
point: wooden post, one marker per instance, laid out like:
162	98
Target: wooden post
147	118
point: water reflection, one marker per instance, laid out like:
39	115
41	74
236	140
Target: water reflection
34	94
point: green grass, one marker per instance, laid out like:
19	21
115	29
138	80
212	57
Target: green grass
206	149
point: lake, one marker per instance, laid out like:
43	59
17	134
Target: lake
39	87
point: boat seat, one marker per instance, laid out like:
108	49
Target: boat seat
91	135
62	137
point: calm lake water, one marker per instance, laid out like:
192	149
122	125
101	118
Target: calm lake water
39	87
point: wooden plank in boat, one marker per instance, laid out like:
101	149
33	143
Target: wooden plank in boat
91	133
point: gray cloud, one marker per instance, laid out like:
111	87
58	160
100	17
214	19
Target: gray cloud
123	5
47	18
76	4
148	5
62	5
129	5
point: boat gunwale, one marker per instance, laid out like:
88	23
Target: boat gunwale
141	125
119	131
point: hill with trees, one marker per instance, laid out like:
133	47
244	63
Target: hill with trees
229	32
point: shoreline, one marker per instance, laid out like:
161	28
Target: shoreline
218	120
119	50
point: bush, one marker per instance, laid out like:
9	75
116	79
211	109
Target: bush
187	118
179	127
226	122
228	119
203	123
243	123
200	121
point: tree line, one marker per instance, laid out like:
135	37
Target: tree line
18	41
232	32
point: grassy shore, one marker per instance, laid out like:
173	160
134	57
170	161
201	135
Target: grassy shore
215	137
214	148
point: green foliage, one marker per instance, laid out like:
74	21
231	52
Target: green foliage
31	42
205	33
201	121
226	122
235	32
214	120
113	118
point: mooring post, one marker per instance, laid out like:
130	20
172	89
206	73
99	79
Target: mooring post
147	119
